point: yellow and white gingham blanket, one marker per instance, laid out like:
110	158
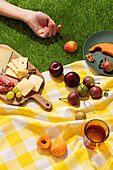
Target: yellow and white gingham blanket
20	128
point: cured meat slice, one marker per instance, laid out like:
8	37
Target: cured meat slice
2	84
6	81
105	48
5	88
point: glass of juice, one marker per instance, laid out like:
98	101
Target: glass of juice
96	131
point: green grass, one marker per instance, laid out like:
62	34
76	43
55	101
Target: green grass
79	19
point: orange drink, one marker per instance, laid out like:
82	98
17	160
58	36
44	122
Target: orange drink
96	131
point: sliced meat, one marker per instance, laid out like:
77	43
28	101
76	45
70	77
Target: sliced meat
6	81
5	88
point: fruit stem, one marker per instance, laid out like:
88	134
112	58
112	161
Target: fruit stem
84	98
62	98
97	83
106	90
84	103
104	59
86	84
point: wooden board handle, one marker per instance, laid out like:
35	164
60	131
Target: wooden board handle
43	102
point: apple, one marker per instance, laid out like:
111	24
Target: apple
71	79
73	98
56	69
107	66
70	46
82	90
89	81
80	115
96	92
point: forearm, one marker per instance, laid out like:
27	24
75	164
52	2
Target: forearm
12	11
40	23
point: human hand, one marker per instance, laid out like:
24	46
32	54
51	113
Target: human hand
42	24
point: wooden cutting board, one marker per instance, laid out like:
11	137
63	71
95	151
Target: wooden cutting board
45	104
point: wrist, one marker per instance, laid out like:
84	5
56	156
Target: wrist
24	15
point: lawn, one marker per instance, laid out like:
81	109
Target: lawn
79	19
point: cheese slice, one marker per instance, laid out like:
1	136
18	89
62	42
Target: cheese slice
37	81
15	62
9	72
23	75
22	63
0	67
22	71
5	55
25	86
13	68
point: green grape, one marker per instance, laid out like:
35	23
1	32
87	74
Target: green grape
18	94
105	94
15	89
10	95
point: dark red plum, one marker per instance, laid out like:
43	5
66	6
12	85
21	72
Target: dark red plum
56	69
71	79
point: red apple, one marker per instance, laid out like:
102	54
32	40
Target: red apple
107	66
56	69
71	79
70	46
89	81
96	92
73	98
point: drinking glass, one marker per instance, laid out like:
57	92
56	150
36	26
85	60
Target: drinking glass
96	131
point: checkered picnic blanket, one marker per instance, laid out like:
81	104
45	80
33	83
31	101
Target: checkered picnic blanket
20	128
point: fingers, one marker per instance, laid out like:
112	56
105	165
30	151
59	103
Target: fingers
58	28
49	31
43	33
50	26
52	29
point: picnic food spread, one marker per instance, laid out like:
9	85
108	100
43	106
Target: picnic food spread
53	140
106	48
18	69
20	80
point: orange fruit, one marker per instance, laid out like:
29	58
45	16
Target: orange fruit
58	148
44	142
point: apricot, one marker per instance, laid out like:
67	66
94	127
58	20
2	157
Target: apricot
44	142
58	148
70	46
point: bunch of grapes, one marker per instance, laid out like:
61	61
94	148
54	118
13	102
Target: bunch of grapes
15	91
